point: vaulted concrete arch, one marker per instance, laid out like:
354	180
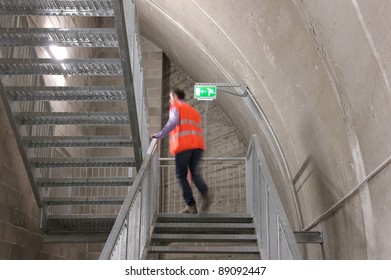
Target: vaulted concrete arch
319	73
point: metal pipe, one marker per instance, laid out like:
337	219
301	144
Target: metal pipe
339	204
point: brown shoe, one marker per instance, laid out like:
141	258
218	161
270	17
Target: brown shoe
189	210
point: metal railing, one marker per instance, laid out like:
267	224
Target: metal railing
226	180
133	226
238	185
275	235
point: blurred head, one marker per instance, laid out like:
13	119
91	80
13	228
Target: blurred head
176	94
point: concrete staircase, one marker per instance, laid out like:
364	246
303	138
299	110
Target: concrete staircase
209	236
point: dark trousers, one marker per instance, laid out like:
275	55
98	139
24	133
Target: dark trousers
189	160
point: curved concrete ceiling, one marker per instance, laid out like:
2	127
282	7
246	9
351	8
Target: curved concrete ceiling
319	71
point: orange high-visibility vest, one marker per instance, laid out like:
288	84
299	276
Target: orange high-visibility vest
188	134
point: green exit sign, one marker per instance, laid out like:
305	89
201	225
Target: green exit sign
205	92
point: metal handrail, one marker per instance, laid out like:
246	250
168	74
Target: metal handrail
140	205
349	195
275	235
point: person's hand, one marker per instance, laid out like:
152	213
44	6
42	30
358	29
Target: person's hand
153	135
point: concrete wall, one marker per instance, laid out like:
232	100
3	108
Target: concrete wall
20	236
319	72
153	78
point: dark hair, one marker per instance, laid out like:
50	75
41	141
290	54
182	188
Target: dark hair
179	92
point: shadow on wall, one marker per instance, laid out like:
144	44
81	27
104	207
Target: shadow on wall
315	188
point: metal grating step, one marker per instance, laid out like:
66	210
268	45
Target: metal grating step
101	8
190	234
82	200
77	141
65	93
204	250
204	227
65	118
45	37
166	237
206	218
70	66
81	162
79	223
83	237
83	182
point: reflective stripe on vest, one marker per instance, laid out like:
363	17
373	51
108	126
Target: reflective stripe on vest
188	132
190	122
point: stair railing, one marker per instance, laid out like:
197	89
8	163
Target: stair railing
133	226
275	236
225	177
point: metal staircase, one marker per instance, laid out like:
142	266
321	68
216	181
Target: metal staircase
79	160
211	236
144	230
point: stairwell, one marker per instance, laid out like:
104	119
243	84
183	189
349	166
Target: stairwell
81	160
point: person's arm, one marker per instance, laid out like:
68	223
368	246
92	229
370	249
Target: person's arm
172	122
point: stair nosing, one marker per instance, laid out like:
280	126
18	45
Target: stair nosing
203	237
204	250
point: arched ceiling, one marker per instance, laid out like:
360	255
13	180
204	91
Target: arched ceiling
319	71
